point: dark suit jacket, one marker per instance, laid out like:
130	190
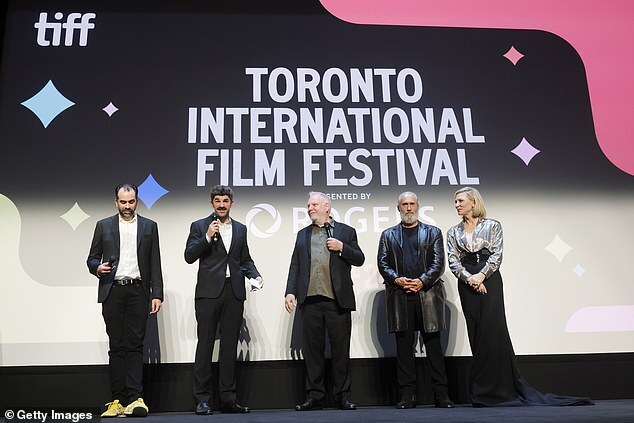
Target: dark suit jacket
431	255
340	265
105	244
214	258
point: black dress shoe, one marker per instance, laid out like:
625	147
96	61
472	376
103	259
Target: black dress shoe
203	409
310	404
444	402
346	404
407	401
233	407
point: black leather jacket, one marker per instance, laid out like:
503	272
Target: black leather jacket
432	296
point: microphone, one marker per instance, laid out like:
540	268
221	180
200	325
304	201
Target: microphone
328	228
214	217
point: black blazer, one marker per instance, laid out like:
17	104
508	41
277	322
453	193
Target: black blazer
214	258
105	244
340	265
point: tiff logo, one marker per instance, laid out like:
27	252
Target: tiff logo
74	22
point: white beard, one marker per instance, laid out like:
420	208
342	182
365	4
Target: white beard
408	219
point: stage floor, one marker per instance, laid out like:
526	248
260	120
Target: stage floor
603	411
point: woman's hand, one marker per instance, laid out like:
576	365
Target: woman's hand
477	283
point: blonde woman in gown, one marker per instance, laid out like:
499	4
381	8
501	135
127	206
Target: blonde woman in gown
474	248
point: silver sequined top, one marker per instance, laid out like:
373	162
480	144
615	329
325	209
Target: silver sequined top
487	234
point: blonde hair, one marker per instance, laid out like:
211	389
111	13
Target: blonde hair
479	211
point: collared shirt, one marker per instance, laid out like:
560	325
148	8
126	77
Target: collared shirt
226	235
320	282
128	263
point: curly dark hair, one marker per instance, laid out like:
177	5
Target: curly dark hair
221	190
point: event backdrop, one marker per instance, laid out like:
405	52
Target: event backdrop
277	99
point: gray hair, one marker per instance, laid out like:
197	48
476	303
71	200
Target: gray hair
320	195
405	194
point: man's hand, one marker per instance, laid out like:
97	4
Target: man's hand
290	303
413	285
334	244
104	269
156	305
408	284
213	229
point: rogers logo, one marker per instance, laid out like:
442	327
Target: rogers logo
272	212
74	22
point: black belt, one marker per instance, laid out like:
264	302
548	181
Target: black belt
124	282
228	279
477	257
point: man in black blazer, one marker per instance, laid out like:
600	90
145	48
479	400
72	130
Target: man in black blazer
219	243
411	259
125	256
319	281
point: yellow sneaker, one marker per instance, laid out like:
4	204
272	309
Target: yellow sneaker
136	408
115	409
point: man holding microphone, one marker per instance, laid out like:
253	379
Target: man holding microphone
219	243
319	281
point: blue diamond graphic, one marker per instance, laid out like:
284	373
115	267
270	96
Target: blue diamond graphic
48	103
150	191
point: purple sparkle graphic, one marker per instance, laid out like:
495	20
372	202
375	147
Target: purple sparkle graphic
525	151
110	109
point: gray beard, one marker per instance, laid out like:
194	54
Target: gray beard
408	219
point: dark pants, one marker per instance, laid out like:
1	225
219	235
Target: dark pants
125	313
318	315
406	364
225	310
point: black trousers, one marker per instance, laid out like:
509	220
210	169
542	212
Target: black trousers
406	363
226	311
321	314
125	313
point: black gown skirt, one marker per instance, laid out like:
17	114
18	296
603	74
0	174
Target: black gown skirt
495	379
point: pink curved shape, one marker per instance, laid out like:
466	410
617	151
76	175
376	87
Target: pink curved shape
602	319
602	32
